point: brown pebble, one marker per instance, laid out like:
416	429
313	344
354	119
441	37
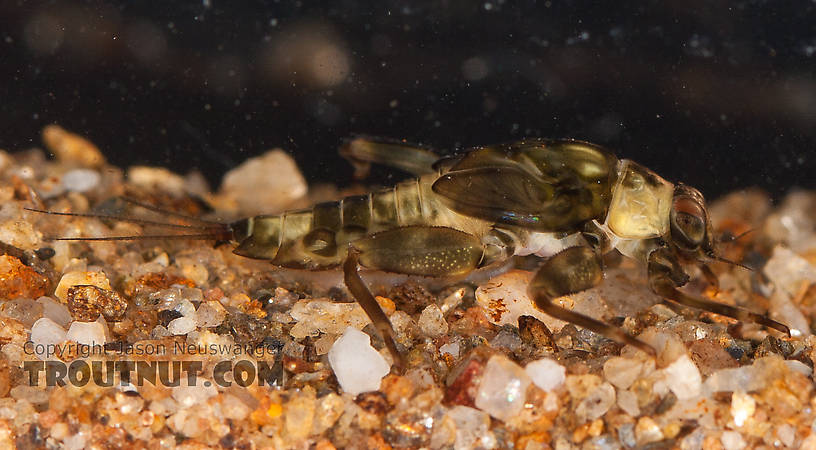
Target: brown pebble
373	402
87	302
60	399
213	295
473	322
71	148
534	332
122	327
18	280
154	282
6	434
712	443
12	330
710	357
5	379
325	444
69	351
297	365
143	323
774	346
49	418
411	297
581	433
245	329
538	439
377	442
408	428
253	308
107	436
396	388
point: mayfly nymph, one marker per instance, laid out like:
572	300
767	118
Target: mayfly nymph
566	201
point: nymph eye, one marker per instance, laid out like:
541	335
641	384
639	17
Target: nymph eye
688	222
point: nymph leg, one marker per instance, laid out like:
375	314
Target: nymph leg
663	271
411	250
369	304
570	271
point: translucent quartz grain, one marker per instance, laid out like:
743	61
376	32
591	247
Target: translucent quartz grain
546	373
683	378
249	188
55	311
97	279
432	322
451	348
46	332
316	316
597	403
622	372
80	180
210	314
732	440
787	272
87	333
25	310
356	364
503	388
188	395
181	325
472	428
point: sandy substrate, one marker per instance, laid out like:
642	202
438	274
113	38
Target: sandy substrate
224	351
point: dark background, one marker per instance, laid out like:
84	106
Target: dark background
721	95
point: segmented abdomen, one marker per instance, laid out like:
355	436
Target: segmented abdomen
318	237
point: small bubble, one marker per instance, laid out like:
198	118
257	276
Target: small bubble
393	103
381	44
475	69
207	107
